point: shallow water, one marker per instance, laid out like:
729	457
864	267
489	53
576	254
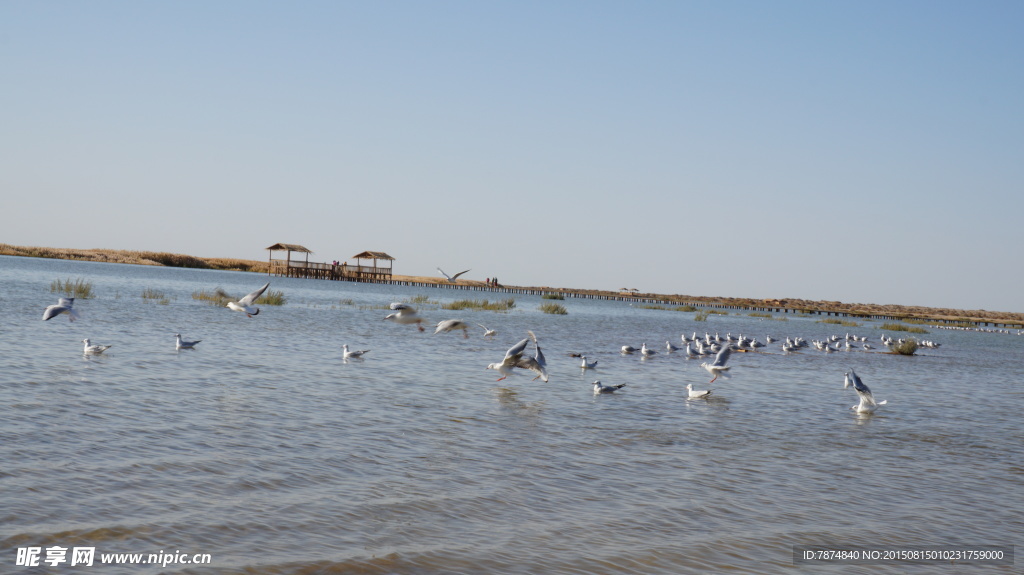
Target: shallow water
263	449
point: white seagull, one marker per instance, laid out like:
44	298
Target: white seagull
586	364
628	349
182	344
696	393
405	315
354	353
867	401
646	351
63	305
451	279
94	349
601	388
669	347
514	358
718	367
450	324
246	303
488	332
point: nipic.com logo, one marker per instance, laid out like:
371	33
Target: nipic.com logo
87	556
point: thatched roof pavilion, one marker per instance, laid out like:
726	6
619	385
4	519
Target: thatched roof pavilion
288	248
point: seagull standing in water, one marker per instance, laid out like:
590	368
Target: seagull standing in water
601	388
718	368
352	354
63	305
514	358
94	349
586	364
182	344
451	279
405	315
450	324
867	401
695	393
246	303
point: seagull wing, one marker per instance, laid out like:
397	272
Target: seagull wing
401	307
251	298
456	276
533	365
723	356
444	274
539	356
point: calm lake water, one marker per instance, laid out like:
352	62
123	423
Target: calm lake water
265	450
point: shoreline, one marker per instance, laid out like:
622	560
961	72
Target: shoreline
829	308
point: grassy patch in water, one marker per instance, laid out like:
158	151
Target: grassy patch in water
272	297
842	322
901	327
553	308
481	304
150	293
216	297
557	296
78	288
668	308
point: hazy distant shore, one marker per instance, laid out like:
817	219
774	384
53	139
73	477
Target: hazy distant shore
1009	319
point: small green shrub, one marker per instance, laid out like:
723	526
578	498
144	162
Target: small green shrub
905	347
557	296
701	316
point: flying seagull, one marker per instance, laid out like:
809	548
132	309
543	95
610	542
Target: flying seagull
182	344
451	279
450	324
718	367
867	401
94	349
246	303
405	315
63	305
514	358
601	388
487	332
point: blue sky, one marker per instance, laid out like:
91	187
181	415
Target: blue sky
855	151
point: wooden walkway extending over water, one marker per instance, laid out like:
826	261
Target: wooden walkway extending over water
674	303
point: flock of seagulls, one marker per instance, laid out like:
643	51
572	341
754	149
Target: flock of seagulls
516	358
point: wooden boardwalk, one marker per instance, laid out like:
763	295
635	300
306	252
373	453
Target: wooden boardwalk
382	275
326	271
